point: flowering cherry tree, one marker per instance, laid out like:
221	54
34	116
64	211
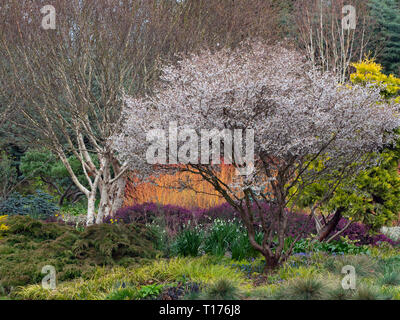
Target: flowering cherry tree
307	127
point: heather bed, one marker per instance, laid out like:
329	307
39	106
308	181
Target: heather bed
174	218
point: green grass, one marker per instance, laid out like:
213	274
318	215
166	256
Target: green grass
118	262
302	289
163	271
218	280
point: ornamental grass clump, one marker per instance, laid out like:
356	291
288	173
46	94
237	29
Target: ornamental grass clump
222	289
302	289
370	292
364	265
389	271
390	278
340	294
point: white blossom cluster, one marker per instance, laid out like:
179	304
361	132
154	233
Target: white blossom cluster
295	110
391	232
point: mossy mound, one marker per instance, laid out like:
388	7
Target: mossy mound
107	244
25	227
30	244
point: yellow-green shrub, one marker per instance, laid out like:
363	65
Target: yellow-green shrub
3	226
368	71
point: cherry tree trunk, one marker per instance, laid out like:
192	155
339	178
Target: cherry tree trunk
331	225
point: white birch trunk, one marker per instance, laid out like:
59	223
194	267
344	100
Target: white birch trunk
91	209
111	198
119	194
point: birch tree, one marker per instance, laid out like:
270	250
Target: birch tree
66	84
68	81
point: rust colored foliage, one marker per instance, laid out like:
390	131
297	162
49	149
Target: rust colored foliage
167	190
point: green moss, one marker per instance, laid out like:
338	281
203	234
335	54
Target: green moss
22	228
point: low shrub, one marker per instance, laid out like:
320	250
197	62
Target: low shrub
107	244
361	233
173	217
342	246
182	290
149	291
30	244
40	205
3	226
122	294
